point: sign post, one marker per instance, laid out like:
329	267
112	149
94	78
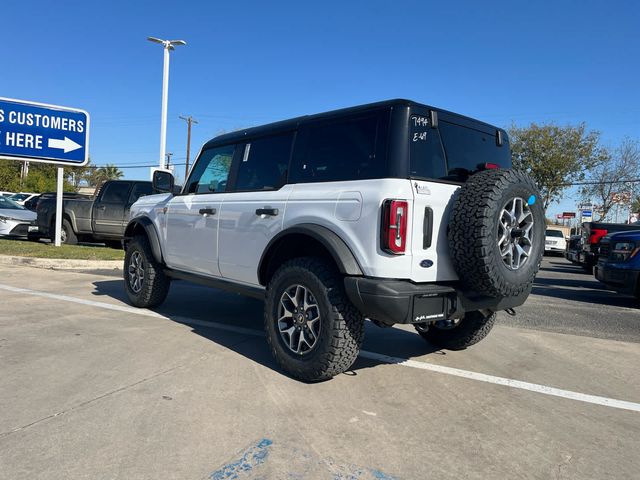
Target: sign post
37	132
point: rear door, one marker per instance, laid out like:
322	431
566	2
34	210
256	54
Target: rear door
253	214
109	209
191	232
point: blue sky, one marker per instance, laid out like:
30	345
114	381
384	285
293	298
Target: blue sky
248	63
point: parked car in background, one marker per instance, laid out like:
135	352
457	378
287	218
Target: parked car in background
554	241
592	233
32	202
618	264
93	219
15	220
6	194
22	197
574	247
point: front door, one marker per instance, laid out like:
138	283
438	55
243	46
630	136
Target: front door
192	217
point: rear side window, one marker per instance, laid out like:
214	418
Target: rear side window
116	193
264	163
338	151
466	149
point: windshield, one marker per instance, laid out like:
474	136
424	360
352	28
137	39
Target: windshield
18	197
9	204
554	233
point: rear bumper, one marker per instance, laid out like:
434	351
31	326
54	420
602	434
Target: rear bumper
402	301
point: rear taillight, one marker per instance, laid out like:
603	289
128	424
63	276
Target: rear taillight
596	235
394	226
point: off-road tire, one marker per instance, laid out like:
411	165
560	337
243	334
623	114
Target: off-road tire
155	285
473	233
471	329
341	328
67	235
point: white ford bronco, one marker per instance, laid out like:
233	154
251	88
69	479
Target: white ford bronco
395	211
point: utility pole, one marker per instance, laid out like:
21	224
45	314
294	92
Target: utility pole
169	155
190	120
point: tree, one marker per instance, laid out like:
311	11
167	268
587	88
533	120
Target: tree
42	178
621	164
102	174
554	156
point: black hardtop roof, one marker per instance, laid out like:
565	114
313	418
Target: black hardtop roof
293	123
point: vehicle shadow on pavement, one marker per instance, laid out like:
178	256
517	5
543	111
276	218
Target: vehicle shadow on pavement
187	301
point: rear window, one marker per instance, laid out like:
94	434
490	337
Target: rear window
466	149
452	152
554	233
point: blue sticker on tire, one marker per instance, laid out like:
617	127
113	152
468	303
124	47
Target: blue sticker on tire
532	200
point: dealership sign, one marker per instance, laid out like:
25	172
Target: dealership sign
37	132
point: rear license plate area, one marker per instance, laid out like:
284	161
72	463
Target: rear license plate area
429	308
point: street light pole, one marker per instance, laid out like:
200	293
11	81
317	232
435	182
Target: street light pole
167	45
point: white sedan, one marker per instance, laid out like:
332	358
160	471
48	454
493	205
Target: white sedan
554	241
15	220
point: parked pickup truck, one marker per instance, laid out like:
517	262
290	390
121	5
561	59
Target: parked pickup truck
592	233
618	264
101	218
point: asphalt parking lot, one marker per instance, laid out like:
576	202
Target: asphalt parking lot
92	388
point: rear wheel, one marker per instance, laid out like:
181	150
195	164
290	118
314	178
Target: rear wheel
313	330
67	235
460	334
145	282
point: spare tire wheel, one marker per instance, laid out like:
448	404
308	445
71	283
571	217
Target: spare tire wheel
496	233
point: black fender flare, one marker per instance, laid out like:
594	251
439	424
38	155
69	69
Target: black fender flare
339	250
150	231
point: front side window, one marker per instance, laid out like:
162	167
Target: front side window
116	192
140	190
264	163
211	172
344	150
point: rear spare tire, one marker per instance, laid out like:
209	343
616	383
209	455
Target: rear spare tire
496	233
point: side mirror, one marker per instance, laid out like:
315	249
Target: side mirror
162	182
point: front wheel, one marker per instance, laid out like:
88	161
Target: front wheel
145	282
313	330
458	335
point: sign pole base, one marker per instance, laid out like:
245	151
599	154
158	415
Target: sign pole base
58	235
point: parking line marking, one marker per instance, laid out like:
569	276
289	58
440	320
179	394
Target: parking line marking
456	372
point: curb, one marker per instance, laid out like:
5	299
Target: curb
61	263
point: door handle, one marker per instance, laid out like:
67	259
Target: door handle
101	207
207	211
272	212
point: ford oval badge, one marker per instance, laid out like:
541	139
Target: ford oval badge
426	263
